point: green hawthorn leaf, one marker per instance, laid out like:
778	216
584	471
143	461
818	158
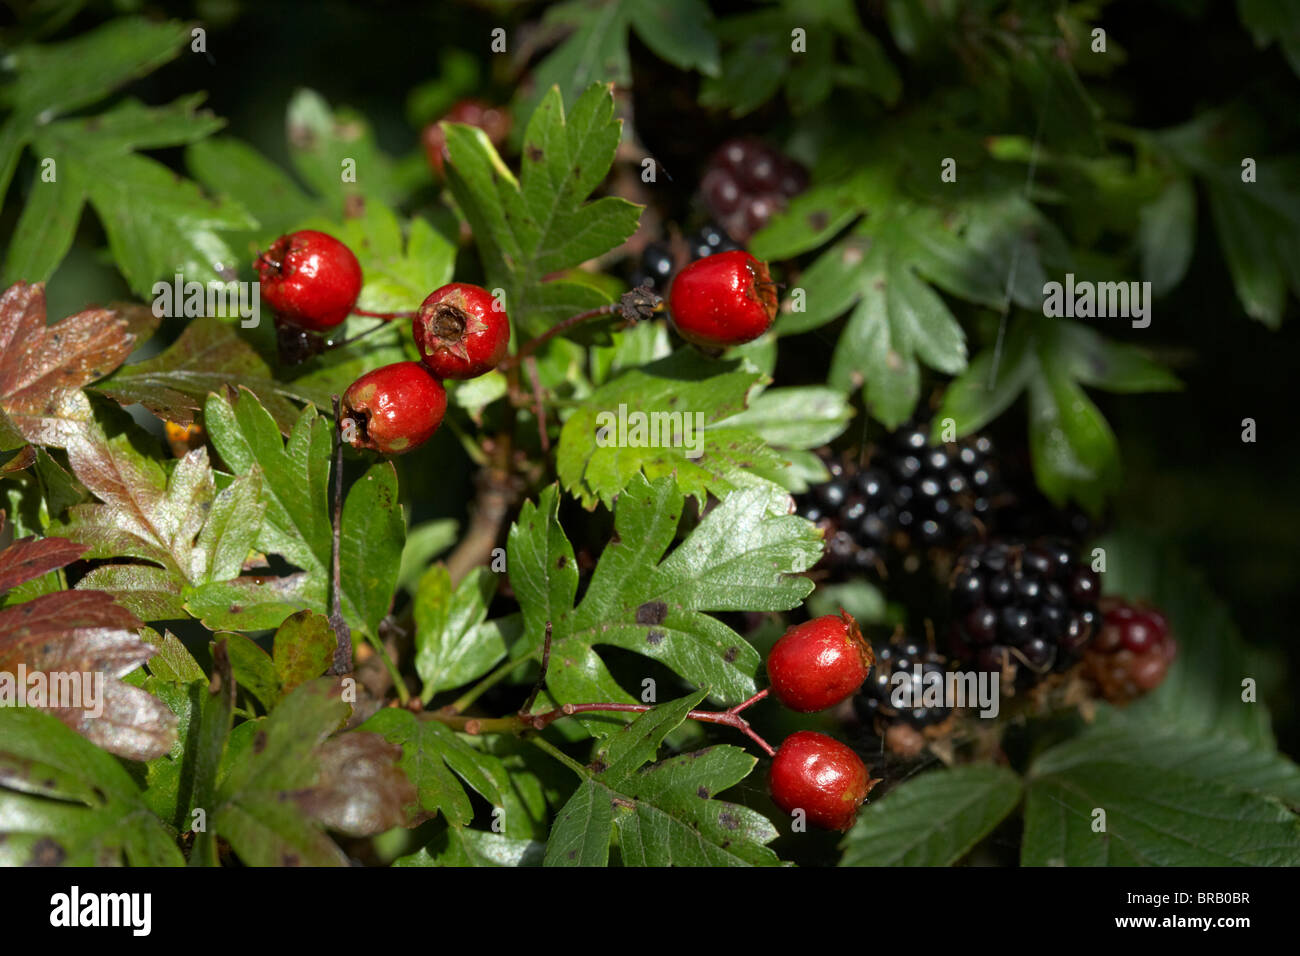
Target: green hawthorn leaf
45	230
296	526
326	144
1269	22
1170	799
284	776
424	542
540	223
209	354
265	761
596	50
303	649
669	417
253	669
370	546
175	520
1075	454
932	820
745	554
804	418
1258	223
1202	693
663	814
43	368
65	801
158	225
1167	235
430	754
61	77
461	846
759	58
230	168
172	662
452	645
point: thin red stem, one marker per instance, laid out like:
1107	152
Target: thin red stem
385	315
532	345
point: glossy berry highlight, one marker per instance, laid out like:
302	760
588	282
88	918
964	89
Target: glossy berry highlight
819	663
820	776
394	409
461	332
727	299
310	279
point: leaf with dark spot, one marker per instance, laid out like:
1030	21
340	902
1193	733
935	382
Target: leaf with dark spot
42	369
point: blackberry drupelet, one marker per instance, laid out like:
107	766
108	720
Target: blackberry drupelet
709	239
875	704
1131	654
746	182
1024	610
913	495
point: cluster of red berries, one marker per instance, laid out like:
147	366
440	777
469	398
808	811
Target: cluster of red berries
816	665
312	281
747	182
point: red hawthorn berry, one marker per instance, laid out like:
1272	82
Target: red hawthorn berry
820	776
310	279
492	120
460	331
393	409
725	299
819	663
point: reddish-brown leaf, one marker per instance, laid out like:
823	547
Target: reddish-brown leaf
86	632
29	558
42	368
361	789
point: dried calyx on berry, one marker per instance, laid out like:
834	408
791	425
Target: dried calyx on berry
461	331
911	494
1022	610
1132	653
394	409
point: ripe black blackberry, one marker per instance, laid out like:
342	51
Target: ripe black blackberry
913	495
1023	610
709	239
654	268
885	700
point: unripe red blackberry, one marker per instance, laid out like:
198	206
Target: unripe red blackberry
492	120
746	182
1132	653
